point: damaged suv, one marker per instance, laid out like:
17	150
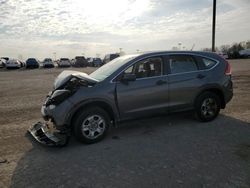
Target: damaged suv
134	86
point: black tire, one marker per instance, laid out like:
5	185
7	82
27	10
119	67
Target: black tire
207	106
81	120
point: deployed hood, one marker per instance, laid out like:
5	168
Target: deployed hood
65	76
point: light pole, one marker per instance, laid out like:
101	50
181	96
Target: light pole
179	45
54	55
213	25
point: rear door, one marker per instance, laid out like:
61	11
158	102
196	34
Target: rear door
185	80
148	94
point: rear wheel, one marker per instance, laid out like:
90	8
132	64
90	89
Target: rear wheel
91	125
207	106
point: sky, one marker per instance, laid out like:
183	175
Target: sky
67	28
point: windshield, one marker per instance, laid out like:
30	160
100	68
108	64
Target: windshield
31	60
47	59
109	68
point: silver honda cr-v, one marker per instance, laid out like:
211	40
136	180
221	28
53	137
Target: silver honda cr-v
134	86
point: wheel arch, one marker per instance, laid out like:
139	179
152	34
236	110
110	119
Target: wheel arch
102	104
215	90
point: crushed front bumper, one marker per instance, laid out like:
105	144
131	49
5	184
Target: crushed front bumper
46	135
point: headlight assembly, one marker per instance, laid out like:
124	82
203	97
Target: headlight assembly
58	96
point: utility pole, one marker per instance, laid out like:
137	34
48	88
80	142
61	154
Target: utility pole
179	45
213	25
54	55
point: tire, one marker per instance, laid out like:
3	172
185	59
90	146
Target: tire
91	125
207	106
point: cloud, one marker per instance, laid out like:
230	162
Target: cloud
69	27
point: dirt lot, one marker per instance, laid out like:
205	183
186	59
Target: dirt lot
171	151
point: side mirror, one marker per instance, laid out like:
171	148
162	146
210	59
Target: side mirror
128	77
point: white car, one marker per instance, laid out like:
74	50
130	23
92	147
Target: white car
2	63
64	62
48	63
245	53
13	63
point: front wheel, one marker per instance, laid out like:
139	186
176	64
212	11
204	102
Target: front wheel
91	125
207	106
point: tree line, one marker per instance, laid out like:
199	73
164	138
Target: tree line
232	50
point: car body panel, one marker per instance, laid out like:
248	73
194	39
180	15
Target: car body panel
48	63
13	63
144	96
32	63
64	62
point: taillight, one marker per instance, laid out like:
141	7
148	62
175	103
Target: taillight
228	70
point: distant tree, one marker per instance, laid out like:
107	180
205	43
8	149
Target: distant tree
209	49
247	45
233	52
174	48
224	48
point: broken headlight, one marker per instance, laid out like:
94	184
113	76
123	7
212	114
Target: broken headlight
58	96
65	91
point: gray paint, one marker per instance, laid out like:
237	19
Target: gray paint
145	96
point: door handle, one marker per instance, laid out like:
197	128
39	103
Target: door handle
200	76
161	82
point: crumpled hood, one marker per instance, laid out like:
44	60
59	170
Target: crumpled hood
65	76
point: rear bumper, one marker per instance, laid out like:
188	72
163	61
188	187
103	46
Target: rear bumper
228	92
48	66
13	66
32	66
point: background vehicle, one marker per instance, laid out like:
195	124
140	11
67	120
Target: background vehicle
110	57
244	53
90	61
6	58
72	62
32	63
135	86
97	62
13	63
64	62
48	63
22	63
2	63
80	61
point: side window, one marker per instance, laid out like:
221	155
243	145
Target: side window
129	70
208	63
182	63
149	67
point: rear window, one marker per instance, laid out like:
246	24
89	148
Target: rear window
182	64
31	60
81	57
47	59
208	63
64	59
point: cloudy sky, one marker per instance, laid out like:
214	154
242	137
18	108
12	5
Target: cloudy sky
38	28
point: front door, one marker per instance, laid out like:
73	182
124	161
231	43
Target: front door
146	95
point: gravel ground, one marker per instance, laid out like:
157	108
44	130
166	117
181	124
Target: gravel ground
170	151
